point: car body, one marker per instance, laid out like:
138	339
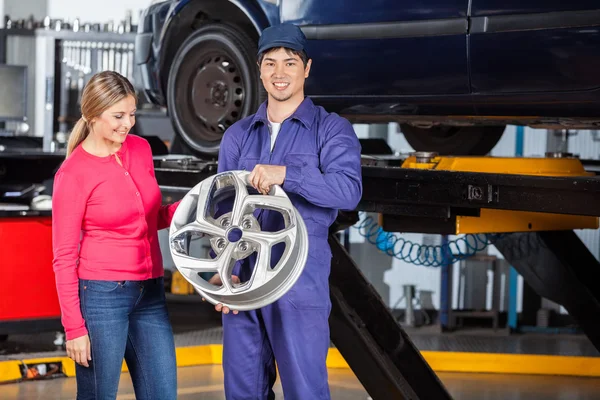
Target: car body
454	73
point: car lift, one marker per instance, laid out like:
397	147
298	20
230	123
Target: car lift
543	199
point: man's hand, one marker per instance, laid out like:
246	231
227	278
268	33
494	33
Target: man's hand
216	280
79	350
265	176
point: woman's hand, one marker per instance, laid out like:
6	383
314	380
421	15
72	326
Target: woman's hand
79	350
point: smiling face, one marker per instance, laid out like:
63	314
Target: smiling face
283	74
116	121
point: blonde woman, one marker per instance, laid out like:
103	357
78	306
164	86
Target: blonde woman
107	261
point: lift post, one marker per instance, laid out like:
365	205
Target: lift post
378	350
559	267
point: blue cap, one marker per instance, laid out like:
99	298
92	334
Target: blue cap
284	35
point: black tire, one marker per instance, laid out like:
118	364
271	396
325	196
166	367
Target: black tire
3	338
453	140
179	146
213	82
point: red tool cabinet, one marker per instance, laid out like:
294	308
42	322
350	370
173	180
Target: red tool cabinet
28	299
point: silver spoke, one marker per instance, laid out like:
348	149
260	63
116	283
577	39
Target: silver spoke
203	199
226	262
271	202
197	264
269	239
241	194
262	268
200	226
208	228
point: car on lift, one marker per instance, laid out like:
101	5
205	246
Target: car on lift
452	73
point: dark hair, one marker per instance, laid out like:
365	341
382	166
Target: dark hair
301	54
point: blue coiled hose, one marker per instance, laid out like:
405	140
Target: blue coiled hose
419	254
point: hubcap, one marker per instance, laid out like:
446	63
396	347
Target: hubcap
234	236
219	93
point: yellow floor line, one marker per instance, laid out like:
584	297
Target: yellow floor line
440	361
513	363
10	370
199	355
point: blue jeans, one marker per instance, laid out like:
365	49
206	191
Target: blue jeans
127	319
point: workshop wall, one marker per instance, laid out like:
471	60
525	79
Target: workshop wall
86	11
586	144
22	9
506	146
535	142
425	279
96	11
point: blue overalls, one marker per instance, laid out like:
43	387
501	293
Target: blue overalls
323	174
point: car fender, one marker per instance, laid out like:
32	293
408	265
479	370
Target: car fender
256	14
255	10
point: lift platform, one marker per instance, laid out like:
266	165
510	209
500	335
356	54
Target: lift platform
543	198
438	195
478	217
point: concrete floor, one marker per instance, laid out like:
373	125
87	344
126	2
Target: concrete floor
206	383
196	323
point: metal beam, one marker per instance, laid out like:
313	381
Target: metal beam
559	267
387	188
440	194
372	342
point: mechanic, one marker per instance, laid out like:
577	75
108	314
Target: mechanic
315	157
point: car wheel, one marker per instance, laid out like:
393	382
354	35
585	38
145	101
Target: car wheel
213	82
3	338
234	236
453	140
179	146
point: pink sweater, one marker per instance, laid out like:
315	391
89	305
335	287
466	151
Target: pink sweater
105	223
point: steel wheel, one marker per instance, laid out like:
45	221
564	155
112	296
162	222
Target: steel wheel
217	94
235	236
213	82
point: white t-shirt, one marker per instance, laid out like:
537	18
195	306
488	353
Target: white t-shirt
274	128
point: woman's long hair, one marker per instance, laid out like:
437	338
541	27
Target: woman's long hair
102	91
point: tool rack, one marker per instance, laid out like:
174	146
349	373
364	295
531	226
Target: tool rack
62	63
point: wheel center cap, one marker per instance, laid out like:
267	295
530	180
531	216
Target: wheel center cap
234	235
219	93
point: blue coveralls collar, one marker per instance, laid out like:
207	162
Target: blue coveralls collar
305	113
